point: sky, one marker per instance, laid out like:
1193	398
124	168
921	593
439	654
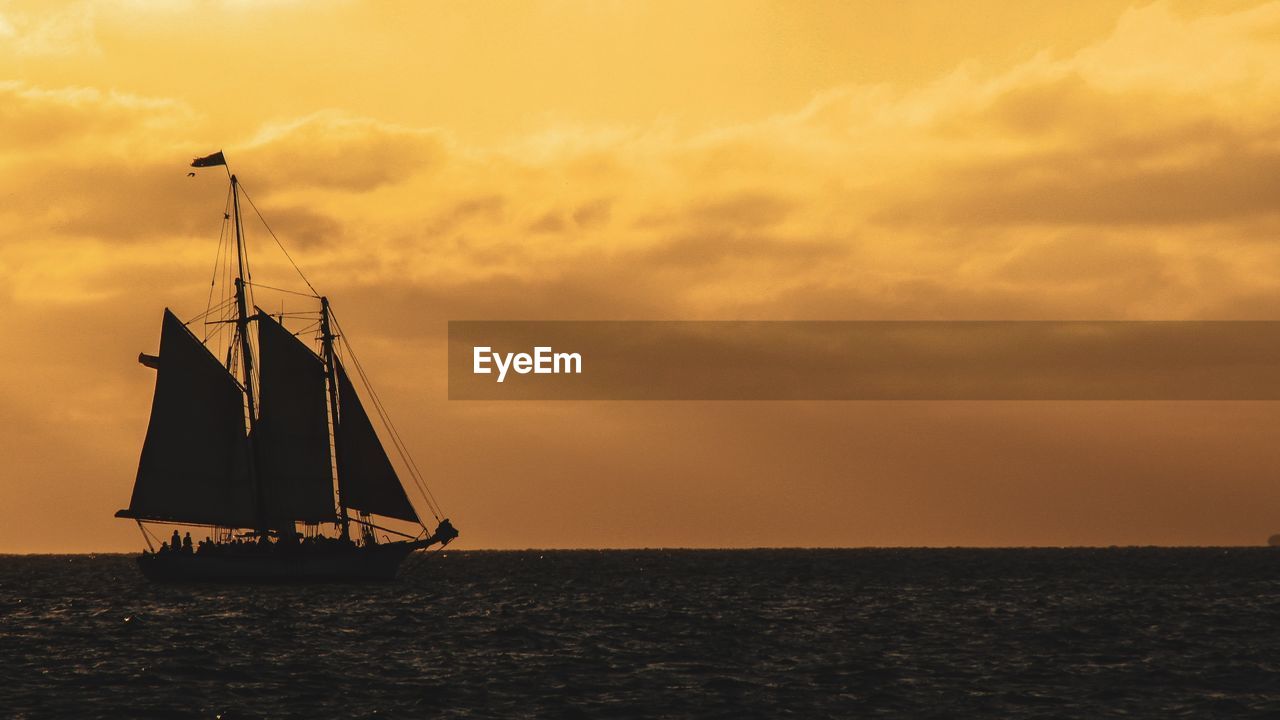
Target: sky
426	162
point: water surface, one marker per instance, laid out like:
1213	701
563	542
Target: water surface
760	633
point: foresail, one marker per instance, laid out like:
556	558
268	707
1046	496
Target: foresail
291	438
366	478
194	466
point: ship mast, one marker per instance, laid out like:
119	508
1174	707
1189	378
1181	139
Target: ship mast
246	354
330	369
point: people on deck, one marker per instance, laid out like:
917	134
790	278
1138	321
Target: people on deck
255	544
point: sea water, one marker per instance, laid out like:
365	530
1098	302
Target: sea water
760	633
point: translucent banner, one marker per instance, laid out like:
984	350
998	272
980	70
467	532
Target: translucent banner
858	360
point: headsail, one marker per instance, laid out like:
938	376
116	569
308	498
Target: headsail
291	438
366	479
195	465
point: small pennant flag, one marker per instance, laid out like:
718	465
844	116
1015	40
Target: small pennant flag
209	160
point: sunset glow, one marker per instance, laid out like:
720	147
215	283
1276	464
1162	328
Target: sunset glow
563	160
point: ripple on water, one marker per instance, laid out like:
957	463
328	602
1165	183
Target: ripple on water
1009	633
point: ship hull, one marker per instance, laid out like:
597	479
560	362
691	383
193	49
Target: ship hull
379	563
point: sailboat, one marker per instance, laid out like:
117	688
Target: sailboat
271	448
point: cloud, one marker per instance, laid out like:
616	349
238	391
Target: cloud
1205	169
551	222
337	151
66	30
71	120
957	193
1137	129
1133	178
703	252
593	212
487	209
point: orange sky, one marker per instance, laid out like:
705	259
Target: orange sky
663	160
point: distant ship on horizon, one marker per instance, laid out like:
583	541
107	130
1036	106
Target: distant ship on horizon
268	446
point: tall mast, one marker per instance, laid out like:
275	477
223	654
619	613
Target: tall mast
246	356
331	370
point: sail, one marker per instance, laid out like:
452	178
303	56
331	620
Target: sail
291	438
366	478
195	463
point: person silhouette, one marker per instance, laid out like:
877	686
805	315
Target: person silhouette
186	543
175	542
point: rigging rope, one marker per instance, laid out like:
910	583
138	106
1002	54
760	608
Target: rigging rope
315	325
291	292
222	233
215	308
414	472
278	243
229	309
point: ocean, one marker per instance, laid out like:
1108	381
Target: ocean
930	633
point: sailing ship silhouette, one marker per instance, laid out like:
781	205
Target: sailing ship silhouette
253	446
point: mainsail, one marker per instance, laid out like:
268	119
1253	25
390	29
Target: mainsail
291	438
194	466
366	479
